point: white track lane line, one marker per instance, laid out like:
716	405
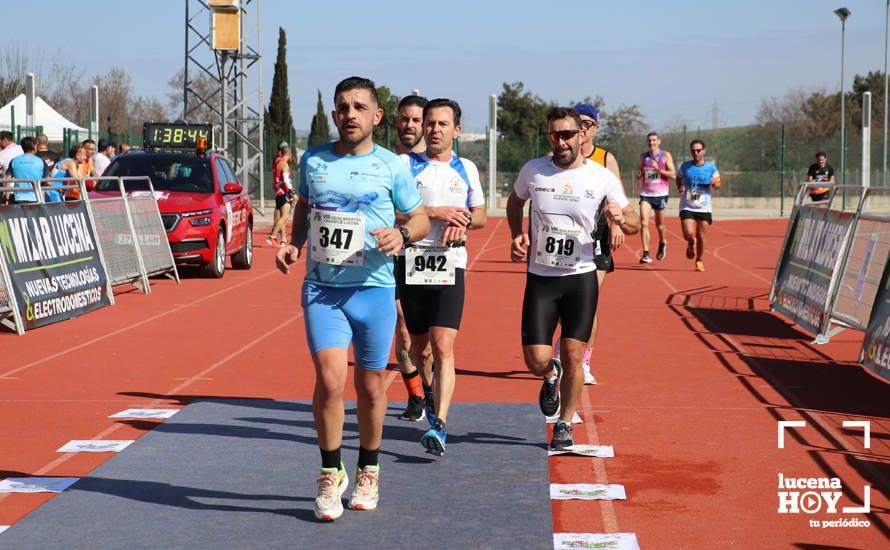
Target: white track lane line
132	326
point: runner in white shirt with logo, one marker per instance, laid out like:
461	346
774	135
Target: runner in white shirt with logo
430	272
561	285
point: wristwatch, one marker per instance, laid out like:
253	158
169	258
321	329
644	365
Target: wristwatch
405	234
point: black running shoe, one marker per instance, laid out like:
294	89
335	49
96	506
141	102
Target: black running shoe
562	437
414	410
646	259
662	250
548	399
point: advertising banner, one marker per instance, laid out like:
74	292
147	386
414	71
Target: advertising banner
875	353
53	263
809	265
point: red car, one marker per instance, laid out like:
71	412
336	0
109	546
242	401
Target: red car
206	212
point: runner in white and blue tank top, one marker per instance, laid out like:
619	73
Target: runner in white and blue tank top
431	272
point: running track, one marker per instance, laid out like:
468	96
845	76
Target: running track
693	369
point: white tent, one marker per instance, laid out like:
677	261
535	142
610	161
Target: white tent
44	115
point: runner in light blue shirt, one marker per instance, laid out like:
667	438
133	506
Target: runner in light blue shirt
695	179
348	194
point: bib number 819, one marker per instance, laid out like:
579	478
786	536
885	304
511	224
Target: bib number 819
563	247
430	263
338	238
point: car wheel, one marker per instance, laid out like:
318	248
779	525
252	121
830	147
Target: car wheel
243	259
217	266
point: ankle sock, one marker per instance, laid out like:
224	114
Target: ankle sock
412	383
330	459
368	458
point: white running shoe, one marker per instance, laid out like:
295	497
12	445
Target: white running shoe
365	494
332	484
589	378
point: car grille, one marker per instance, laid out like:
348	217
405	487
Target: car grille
189	246
170	221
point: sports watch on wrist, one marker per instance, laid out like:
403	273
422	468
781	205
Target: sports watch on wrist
405	234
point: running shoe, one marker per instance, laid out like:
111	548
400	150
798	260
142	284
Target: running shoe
430	409
562	437
699	265
269	240
332	484
589	379
690	250
365	494
548	399
646	259
415	409
662	250
434	439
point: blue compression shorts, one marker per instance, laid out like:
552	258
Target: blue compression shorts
363	315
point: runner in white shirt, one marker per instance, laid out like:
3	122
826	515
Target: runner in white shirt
409	125
566	191
430	273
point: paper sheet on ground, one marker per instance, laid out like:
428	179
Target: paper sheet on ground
586	491
611	541
145	413
95	446
36	484
575	419
595	451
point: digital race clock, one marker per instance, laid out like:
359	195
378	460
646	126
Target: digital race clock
175	135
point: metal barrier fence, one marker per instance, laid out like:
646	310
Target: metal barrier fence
132	242
833	257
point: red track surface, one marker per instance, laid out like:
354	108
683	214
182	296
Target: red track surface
693	374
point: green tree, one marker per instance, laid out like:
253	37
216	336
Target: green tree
385	132
521	114
278	121
319	131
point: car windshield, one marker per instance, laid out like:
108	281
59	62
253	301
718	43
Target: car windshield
167	172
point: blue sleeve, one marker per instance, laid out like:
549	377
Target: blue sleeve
404	192
303	189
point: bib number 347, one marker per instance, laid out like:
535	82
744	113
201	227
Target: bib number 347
338	238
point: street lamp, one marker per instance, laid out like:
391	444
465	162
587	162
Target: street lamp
884	155
843	14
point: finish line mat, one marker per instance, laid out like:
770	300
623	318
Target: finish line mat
241	474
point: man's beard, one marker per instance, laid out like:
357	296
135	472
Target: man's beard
409	140
565	161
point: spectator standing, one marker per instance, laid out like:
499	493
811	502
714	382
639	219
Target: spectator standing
50	158
103	156
820	171
9	149
27	166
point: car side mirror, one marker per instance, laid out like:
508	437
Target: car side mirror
232	188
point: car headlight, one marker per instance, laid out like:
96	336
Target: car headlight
198	222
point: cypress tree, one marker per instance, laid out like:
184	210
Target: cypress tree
278	121
319	132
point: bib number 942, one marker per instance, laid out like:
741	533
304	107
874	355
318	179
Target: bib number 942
429	265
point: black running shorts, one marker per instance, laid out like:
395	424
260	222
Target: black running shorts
690	215
571	300
426	306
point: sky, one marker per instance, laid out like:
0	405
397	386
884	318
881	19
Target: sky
680	62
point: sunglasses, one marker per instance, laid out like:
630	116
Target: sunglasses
564	135
696	150
587	124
